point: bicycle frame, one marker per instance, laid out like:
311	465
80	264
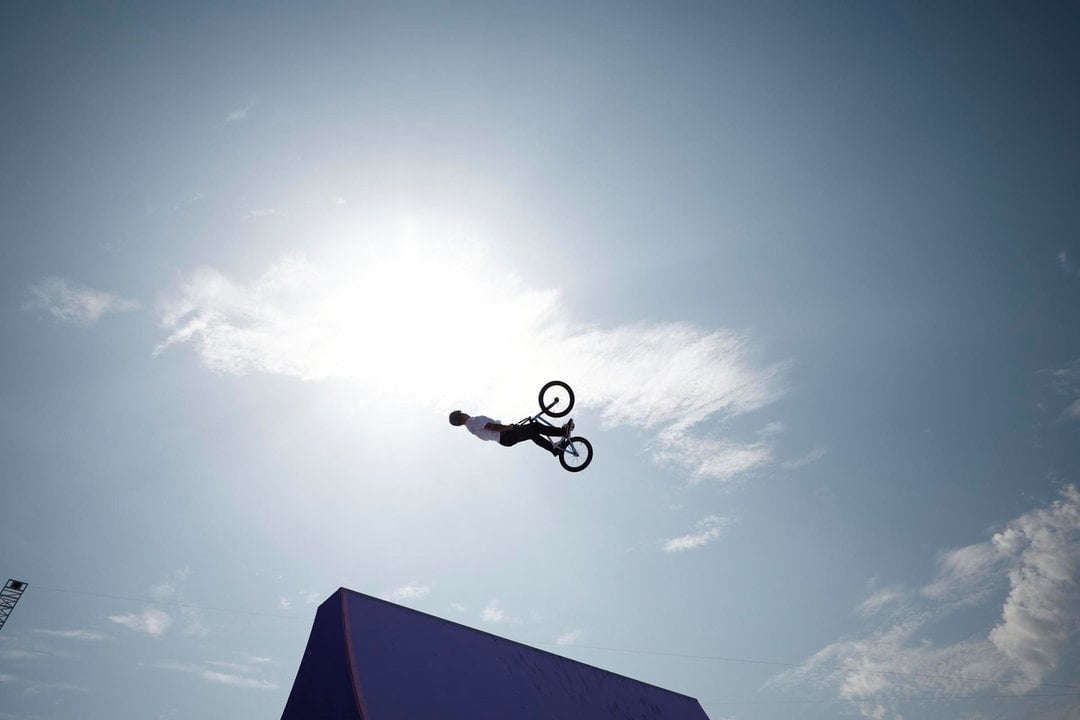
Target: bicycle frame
539	417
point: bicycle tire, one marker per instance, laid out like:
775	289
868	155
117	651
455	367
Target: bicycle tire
549	396
579	462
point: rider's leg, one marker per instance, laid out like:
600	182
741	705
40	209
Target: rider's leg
545	429
531	431
544	443
538	431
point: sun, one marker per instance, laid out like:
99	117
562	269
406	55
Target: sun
429	318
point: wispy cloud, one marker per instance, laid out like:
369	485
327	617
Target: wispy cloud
75	304
319	321
1035	560
259	213
495	614
1065	383
1072	412
163	591
171	590
411	591
1040	612
238	115
569	637
880	599
710	528
808	459
213	672
30	686
1066	264
81	635
152	621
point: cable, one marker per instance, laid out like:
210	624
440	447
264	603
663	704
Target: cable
170	603
928	698
748	661
657	653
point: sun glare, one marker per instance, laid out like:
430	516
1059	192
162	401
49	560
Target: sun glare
434	321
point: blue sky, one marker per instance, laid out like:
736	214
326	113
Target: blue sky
813	271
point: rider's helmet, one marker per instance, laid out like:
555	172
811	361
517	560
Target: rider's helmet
457	418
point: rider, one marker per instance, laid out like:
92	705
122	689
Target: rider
485	428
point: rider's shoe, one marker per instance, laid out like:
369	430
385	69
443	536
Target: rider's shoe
562	442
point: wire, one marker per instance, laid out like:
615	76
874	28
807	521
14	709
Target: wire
928	698
748	661
657	653
170	603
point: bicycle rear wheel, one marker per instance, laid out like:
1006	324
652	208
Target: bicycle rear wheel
577	455
556	398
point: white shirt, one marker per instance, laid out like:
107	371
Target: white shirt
476	424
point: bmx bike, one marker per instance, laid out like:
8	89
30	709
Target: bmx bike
557	400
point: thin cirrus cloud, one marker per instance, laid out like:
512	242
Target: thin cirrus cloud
37	686
222	673
79	635
710	528
408	321
171	590
494	613
1065	382
238	115
411	591
151	621
569	637
880	600
75	304
1031	567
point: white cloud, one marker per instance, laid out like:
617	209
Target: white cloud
966	575
170	591
284	603
1072	412
412	591
710	458
1063	262
22	654
216	676
230	666
237	680
33	687
193	623
808	459
570	637
1039	616
494	613
880	599
389	322
152	621
238	115
458	607
260	212
82	635
75	304
710	529
1065	382
1036	556
163	590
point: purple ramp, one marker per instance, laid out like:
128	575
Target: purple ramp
368	659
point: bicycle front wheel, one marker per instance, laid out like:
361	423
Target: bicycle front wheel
577	455
556	398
